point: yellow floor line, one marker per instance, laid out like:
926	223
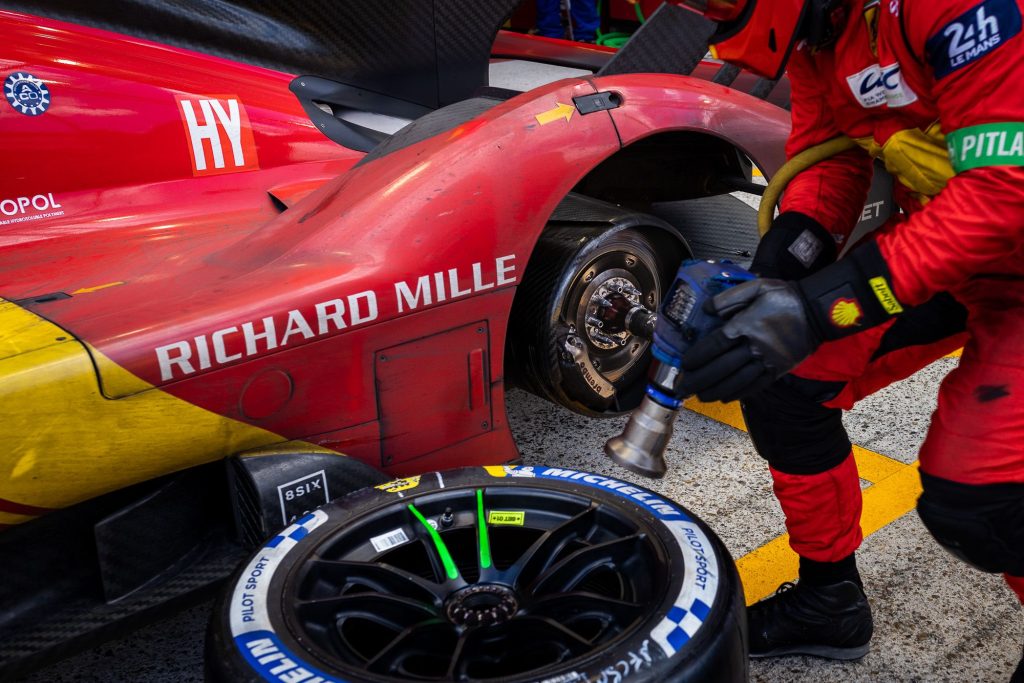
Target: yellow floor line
726	413
873	467
955	354
893	493
763	569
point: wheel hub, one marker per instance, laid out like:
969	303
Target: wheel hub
605	325
482	605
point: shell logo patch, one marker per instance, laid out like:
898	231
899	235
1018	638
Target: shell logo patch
845	312
400	484
27	94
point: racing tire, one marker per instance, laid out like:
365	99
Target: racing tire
552	349
508	574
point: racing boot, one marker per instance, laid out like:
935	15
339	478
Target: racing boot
831	620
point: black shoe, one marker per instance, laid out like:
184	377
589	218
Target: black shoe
831	621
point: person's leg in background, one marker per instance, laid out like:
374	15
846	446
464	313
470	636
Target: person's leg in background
549	19
972	461
585	20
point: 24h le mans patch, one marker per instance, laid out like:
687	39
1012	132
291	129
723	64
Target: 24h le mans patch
972	35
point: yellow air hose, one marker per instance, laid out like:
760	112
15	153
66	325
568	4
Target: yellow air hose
801	162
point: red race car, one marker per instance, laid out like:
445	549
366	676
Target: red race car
273	235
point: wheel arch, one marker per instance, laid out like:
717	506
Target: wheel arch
686	177
671	187
549	349
665	166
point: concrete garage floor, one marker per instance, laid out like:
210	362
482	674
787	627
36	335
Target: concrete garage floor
935	618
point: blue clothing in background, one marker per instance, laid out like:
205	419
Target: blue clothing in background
585	21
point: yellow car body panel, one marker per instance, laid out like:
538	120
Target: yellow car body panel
67	442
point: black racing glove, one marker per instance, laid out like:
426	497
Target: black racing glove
773	325
795	247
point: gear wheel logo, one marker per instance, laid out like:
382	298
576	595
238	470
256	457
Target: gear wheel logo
27	94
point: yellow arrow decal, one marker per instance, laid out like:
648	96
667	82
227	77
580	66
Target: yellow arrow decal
86	290
561	111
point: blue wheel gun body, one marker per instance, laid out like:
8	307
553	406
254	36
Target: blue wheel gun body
682	321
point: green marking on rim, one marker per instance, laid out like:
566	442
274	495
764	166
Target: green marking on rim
481	521
446	557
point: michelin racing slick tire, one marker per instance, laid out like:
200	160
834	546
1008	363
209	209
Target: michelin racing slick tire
508	574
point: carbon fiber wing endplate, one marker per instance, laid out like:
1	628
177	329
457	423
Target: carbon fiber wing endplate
672	41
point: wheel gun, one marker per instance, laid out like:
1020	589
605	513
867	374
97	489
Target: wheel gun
682	321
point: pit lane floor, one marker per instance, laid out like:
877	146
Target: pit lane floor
935	618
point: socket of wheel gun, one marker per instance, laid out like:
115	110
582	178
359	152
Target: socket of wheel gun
641	446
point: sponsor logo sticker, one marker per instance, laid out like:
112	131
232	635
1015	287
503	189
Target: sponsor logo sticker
878	85
254	337
400	484
869	212
273	661
972	35
302	495
990	144
27	94
218	133
506	518
885	296
509	471
845	312
36	207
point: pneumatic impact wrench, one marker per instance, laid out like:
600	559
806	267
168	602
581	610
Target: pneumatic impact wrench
681	322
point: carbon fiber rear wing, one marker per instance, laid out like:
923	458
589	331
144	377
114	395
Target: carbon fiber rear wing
428	53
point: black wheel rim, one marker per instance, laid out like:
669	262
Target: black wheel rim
521	581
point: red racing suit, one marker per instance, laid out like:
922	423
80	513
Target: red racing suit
934	89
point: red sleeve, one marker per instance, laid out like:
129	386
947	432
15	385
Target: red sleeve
833	191
974	53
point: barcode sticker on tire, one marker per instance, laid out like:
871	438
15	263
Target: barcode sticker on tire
389	540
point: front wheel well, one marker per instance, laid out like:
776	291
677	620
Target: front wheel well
630	221
700	185
569	339
666	167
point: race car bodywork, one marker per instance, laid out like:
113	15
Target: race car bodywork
193	268
162	286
